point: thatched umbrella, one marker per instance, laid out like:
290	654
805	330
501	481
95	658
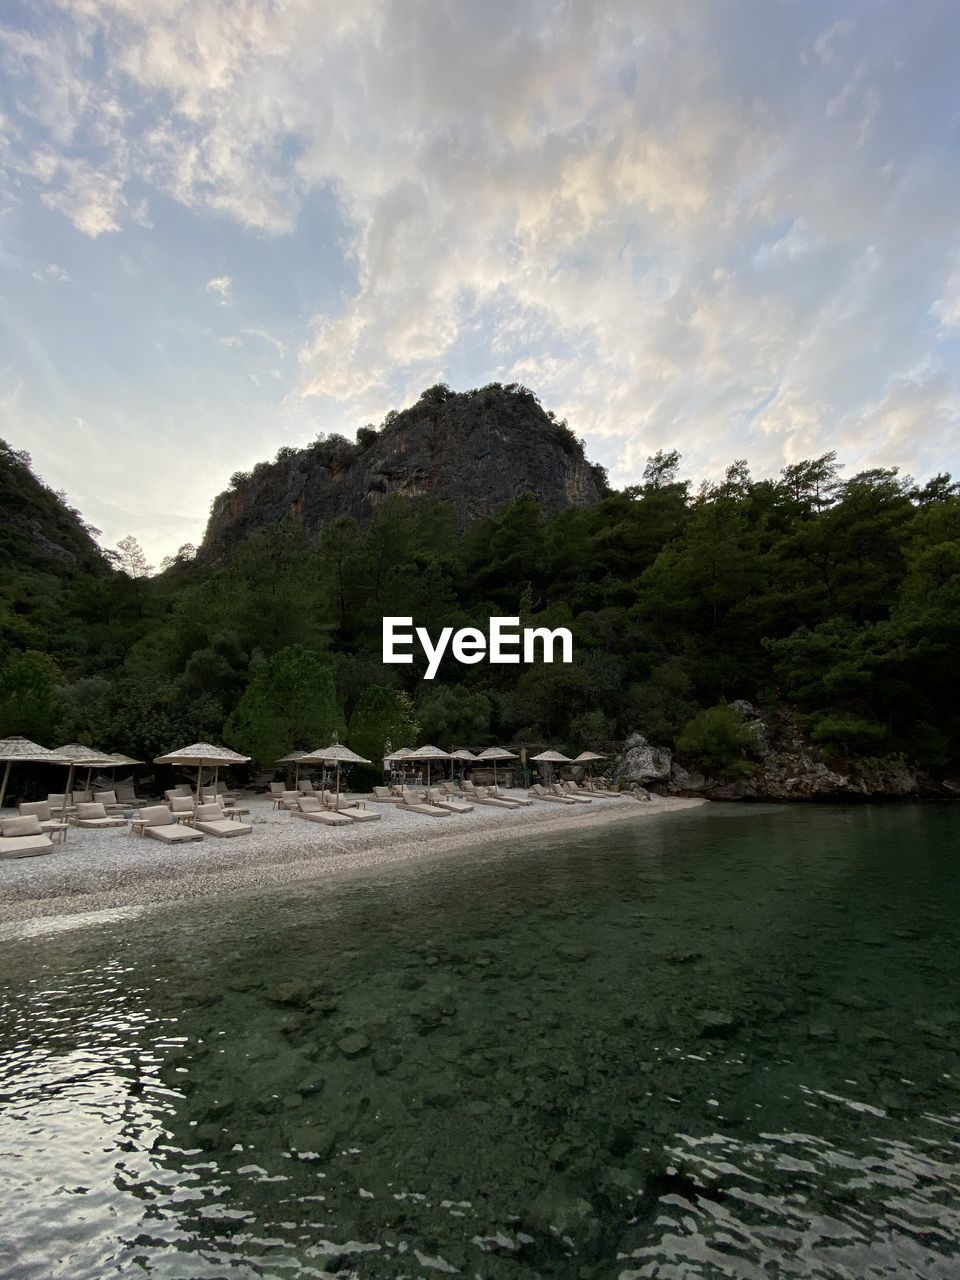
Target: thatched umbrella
587	758
119	760
399	756
202	755
336	755
73	754
428	754
293	758
551	758
465	757
495	754
22	750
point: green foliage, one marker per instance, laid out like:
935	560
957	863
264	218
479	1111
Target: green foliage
453	715
28	696
839	597
717	738
290	703
382	715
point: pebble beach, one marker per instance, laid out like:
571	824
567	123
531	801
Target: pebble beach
105	870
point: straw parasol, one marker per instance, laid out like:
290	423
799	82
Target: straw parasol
465	757
587	758
336	755
495	754
73	754
428	754
118	761
293	758
201	755
551	758
22	750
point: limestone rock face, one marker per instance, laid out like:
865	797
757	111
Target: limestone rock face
477	450
643	762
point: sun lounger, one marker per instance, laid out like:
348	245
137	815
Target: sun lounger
577	792
276	788
539	792
412	803
479	796
23	837
40	810
494	793
109	801
436	796
181	806
383	795
309	807
287	800
83	797
55	801
127	796
211	821
159	822
557	790
305	787
91	814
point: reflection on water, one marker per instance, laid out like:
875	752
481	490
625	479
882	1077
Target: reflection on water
722	1044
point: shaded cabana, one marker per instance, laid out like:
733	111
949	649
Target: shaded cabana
550	758
494	754
336	754
428	755
19	750
202	755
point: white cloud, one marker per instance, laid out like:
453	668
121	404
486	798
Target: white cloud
222	288
680	225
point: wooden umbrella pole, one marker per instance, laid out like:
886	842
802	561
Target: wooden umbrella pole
3	785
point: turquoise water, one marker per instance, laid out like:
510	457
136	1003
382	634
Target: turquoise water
717	1044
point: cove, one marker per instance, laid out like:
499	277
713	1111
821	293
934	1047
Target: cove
724	1044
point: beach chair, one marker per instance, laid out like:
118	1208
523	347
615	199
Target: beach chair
350	807
383	795
286	800
55	801
575	789
311	808
83	797
109	801
212	821
276	788
479	796
306	787
92	814
558	790
494	793
40	810
181	806
539	792
436	796
159	822
23	837
126	795
412	802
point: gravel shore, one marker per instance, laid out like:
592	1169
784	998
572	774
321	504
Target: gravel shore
104	870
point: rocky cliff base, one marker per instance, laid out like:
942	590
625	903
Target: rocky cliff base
782	766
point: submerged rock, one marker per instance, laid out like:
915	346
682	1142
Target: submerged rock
353	1045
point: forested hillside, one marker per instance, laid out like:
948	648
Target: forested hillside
837	597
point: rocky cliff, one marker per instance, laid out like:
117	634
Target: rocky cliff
782	766
38	530
476	450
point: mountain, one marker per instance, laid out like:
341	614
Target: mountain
38	530
476	450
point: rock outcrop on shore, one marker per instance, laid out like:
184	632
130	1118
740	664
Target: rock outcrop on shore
476	450
782	766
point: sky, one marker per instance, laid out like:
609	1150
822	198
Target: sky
232	225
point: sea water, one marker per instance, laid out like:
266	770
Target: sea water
716	1044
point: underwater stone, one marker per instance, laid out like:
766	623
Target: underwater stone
352	1046
716	1022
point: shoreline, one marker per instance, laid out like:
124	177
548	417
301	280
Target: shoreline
98	871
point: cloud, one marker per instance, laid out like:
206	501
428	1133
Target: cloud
222	288
730	231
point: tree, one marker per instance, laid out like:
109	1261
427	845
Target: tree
454	714
290	702
28	695
382	715
716	738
